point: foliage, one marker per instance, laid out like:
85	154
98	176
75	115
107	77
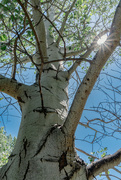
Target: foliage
83	23
99	154
6	146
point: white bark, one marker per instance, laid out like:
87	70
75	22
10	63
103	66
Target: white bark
41	150
53	52
40	29
11	87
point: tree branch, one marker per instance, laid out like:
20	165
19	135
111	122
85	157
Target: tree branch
39	26
90	78
64	22
103	164
32	27
14	50
87	53
11	86
71	52
50	22
116	170
93	157
74	53
107	175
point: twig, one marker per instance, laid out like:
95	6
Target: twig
87	53
15	55
80	150
64	22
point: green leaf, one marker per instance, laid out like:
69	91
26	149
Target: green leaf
6	146
12	18
3	48
69	63
1	16
3	37
6	1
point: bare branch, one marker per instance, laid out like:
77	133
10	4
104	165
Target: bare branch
15	55
103	164
74	53
107	175
86	125
80	150
64	22
70	59
10	86
116	170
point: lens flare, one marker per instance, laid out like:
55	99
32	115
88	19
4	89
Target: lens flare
102	39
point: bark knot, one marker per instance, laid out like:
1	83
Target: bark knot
20	100
62	161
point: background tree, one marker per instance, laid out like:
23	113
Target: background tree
6	146
58	38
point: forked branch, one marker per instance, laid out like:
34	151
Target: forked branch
33	29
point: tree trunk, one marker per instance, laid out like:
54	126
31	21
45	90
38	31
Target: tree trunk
42	150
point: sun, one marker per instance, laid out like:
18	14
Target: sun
102	39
